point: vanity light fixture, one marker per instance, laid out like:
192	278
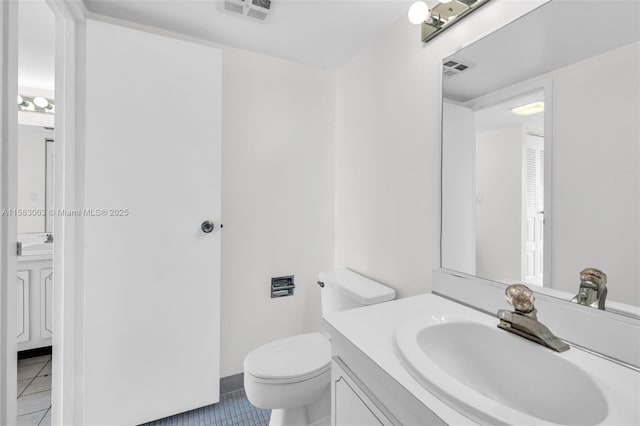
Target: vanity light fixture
36	104
418	12
529	109
442	16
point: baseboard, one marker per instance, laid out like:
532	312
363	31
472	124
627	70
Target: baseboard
232	383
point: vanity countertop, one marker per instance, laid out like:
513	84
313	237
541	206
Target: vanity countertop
371	330
35	257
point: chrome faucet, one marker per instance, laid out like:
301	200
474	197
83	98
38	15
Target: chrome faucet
523	321
593	289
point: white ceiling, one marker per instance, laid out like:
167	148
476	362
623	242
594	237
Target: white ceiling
324	33
555	35
36	48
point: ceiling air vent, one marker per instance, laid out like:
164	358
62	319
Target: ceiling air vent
233	7
453	66
254	9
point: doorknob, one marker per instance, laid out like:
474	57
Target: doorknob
207	226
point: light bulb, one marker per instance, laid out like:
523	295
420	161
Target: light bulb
418	12
41	102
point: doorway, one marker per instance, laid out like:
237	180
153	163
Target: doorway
35	212
188	140
28	51
509	188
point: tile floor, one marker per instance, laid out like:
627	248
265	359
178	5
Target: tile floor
233	409
34	402
34	391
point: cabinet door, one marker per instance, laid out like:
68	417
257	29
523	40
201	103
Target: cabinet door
351	405
46	303
23	306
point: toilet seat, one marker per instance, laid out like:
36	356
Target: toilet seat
290	360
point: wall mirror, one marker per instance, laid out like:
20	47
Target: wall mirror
35	179
541	151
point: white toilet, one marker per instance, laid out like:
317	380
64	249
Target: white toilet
292	376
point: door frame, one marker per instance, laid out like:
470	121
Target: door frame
8	199
68	195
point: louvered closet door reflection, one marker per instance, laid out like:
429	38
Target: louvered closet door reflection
534	210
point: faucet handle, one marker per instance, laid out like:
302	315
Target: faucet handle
521	298
594	276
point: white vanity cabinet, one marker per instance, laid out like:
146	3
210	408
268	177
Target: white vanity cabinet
35	302
352	404
369	385
363	394
406	362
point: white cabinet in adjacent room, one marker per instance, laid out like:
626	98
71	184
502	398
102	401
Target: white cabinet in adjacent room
35	302
46	303
23	306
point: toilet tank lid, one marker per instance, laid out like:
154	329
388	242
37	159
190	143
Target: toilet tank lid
361	289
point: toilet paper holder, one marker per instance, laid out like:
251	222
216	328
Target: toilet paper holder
282	286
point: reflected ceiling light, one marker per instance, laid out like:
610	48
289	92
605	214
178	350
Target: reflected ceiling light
419	12
36	104
529	109
41	102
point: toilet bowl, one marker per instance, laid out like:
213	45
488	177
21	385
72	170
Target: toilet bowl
292	376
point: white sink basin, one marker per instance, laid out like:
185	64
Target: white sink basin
498	378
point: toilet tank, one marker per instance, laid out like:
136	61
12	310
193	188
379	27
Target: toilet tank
343	289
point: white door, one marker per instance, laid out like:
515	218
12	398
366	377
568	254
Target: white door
534	210
151	324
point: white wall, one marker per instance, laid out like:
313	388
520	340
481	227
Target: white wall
277	198
499	203
388	113
387	175
279	180
458	182
596	180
